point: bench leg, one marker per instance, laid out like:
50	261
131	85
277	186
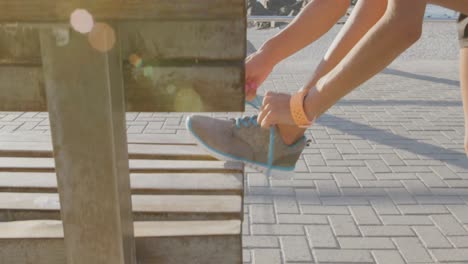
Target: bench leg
87	114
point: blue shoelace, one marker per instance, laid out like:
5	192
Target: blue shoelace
252	121
256	102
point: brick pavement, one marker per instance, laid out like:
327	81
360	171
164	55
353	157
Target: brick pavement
385	180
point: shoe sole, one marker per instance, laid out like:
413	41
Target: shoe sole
219	156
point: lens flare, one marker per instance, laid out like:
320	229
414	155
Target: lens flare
135	60
82	21
102	37
187	99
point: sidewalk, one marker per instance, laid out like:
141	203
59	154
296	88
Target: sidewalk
385	180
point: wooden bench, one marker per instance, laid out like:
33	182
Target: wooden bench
186	205
142	200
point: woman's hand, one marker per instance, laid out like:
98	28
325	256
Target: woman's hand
257	68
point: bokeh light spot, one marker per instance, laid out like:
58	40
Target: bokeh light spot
148	71
102	37
82	21
135	60
187	99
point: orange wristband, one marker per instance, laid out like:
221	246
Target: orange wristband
297	109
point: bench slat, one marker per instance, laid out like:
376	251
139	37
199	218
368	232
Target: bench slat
47	165
141	183
210	242
58	10
160	139
162	40
135	151
149	89
31	206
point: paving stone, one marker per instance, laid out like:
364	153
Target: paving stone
406	220
432	180
325	210
422	209
384	206
262	214
260	242
344	200
449	225
327	188
365	243
364	215
302	219
343	256
445	173
401	196
386	231
446	255
343	225
267	256
392	159
388	257
460	212
257	179
416	187
296	249
412	250
432	237
277	229
321	237
307	197
246	256
433	199
362	173
345	180
377	166
459	241
286	205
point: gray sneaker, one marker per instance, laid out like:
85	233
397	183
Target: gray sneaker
244	140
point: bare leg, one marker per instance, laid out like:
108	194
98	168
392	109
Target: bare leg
464	89
364	16
313	21
398	29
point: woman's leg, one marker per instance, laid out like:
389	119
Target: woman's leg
364	16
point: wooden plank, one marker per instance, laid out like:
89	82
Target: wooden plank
152	41
210	242
160	139
136	151
173	166
171	40
187	66
36	206
19	46
22	89
149	89
185	89
57	10
87	115
141	183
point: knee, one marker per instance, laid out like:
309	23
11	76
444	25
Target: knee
406	31
406	20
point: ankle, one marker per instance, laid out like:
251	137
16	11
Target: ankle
290	134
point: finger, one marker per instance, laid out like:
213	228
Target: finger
261	116
266	99
268	120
